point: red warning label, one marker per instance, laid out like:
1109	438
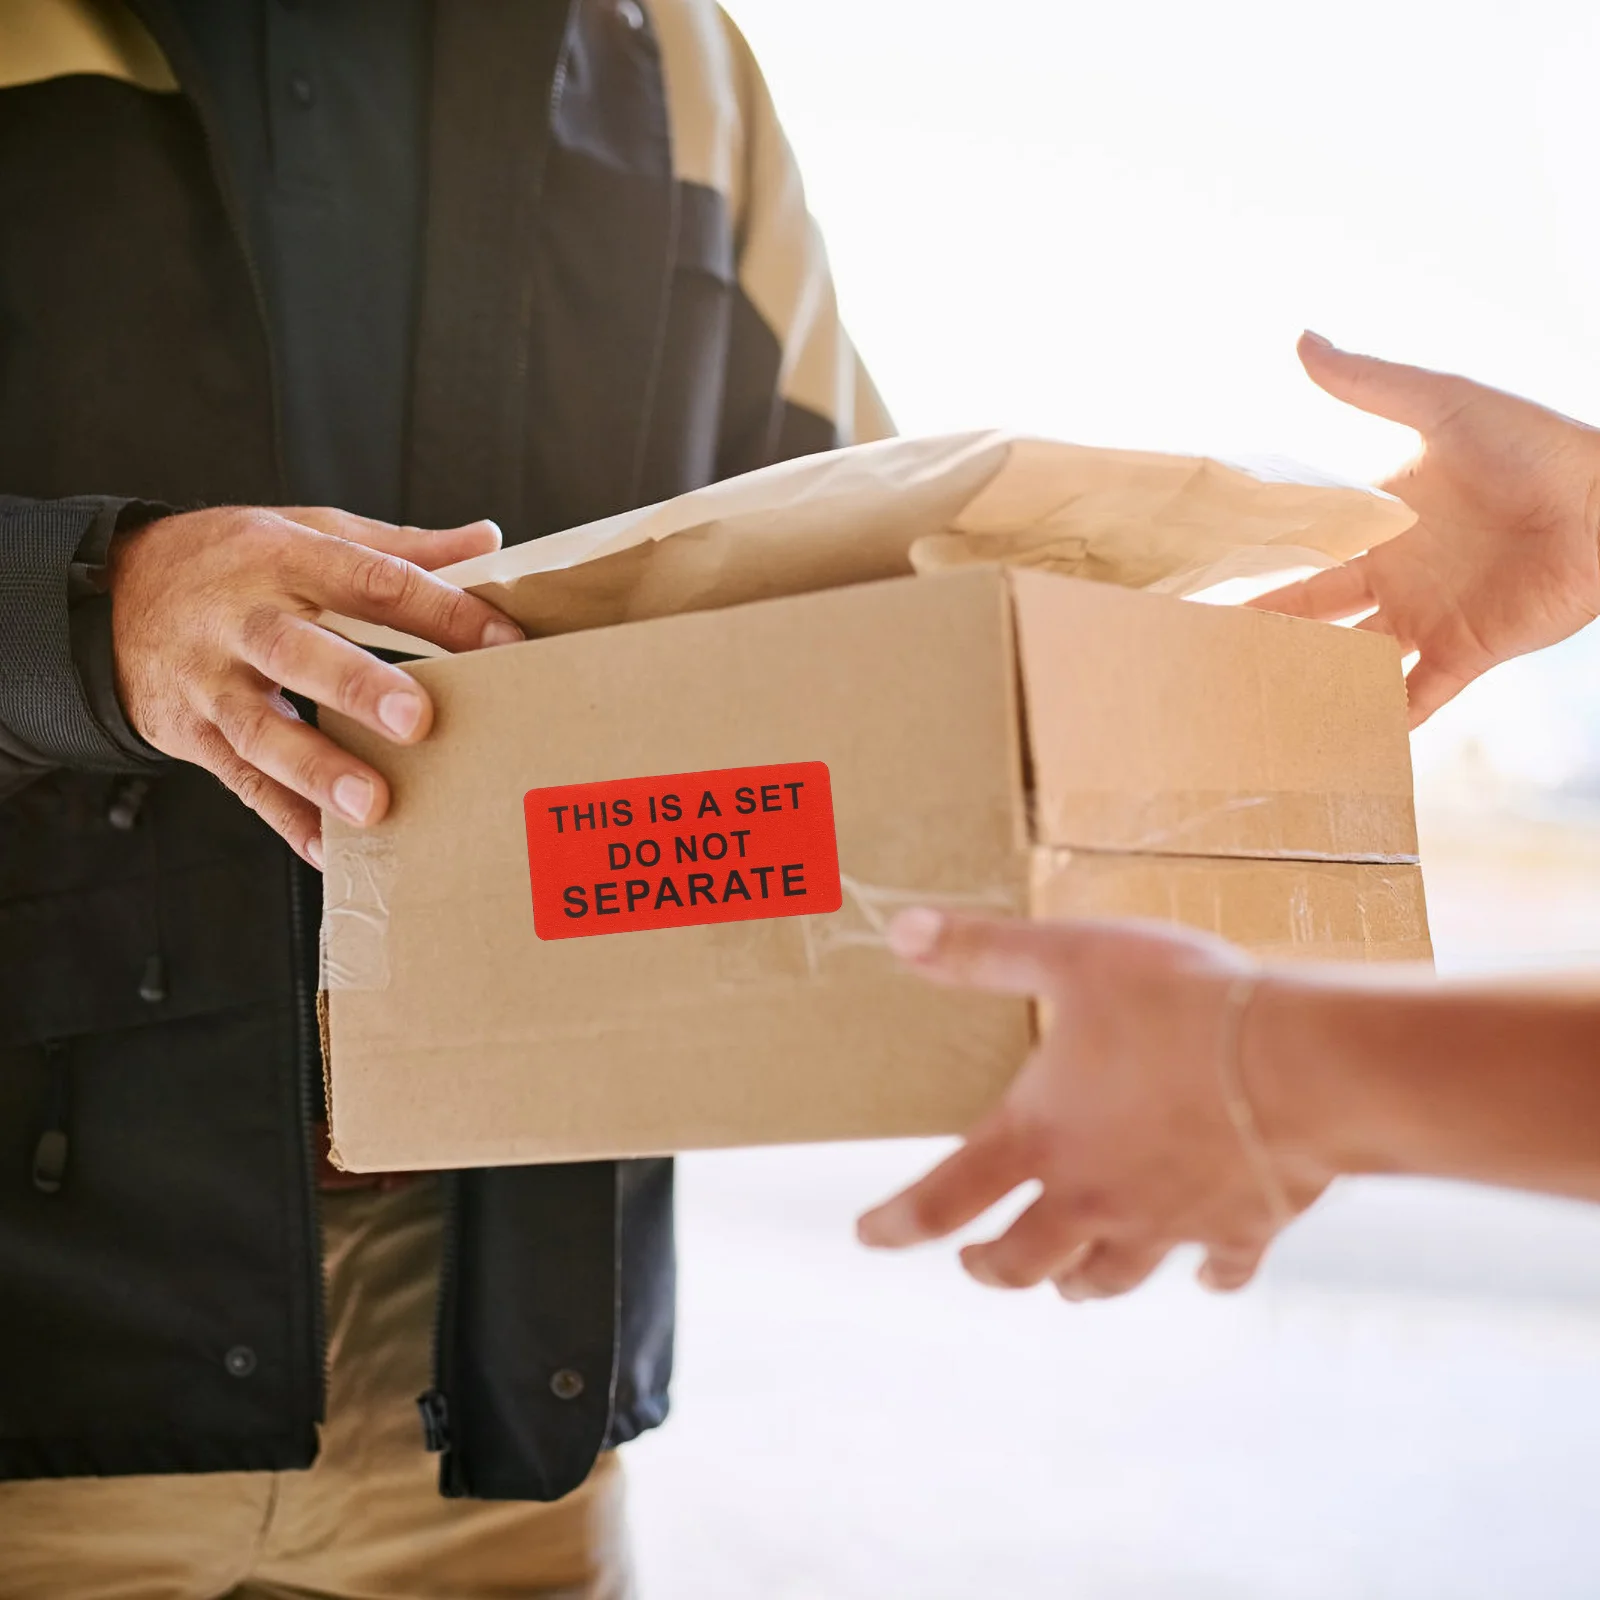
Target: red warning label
678	851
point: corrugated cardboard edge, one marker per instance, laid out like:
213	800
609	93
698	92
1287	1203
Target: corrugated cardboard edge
1021	762
325	1047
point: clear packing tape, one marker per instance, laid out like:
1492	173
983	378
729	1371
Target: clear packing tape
1285	909
354	942
1173	524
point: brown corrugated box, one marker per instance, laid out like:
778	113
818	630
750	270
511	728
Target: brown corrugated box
994	737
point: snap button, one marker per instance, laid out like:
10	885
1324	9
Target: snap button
240	1361
153	982
125	803
300	87
50	1161
631	14
566	1384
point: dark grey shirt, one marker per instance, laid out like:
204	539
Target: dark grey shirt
322	106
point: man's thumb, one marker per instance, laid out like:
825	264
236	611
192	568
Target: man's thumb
1414	396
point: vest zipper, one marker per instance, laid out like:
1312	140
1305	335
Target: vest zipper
173	44
309	1100
434	1403
435	1411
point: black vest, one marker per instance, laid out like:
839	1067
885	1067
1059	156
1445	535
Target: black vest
581	337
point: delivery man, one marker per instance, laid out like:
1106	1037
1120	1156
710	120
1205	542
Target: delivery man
1180	1094
506	266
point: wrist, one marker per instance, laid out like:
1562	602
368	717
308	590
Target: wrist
1575	465
1317	1094
135	519
125	598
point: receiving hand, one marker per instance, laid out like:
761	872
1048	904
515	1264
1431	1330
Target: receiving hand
214	615
1126	1112
1505	555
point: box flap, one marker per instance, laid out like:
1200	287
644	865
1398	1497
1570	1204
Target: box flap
1157	725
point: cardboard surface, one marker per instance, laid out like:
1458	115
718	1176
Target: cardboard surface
1241	734
459	1037
480	1043
1280	910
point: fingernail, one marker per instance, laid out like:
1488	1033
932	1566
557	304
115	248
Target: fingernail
400	713
489	522
915	933
314	851
1318	340
1077	1257
354	797
870	1230
501	632
976	1263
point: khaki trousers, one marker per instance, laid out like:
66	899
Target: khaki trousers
366	1522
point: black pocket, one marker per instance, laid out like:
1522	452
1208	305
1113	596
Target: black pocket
143	950
175	905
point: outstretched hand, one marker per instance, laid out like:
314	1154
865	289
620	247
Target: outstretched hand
1125	1114
1505	555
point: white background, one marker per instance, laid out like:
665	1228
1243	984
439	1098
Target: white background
1107	222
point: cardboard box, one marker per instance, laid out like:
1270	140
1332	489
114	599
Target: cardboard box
1001	739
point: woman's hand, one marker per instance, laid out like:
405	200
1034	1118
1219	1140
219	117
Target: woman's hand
1128	1113
1505	555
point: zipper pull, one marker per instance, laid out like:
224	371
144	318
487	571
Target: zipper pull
435	1409
50	1153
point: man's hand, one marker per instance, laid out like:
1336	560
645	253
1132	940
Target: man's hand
214	616
1122	1113
1505	555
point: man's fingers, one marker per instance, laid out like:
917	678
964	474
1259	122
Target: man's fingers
1429	686
375	587
428	548
297	820
1413	396
1110	1268
1008	955
308	660
1040	1243
963	1186
1229	1268
263	729
1329	596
